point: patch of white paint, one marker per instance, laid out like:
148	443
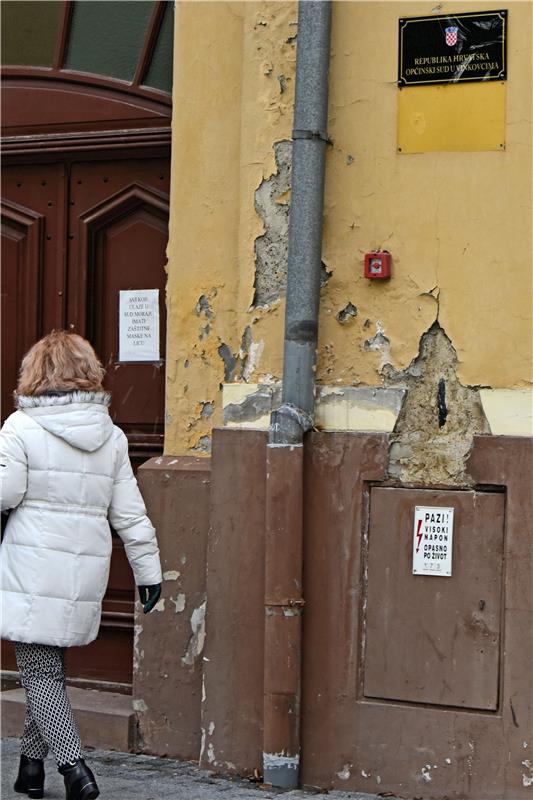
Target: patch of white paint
202	745
183	559
174	461
179	603
366	774
378	779
255	352
524	745
277	760
171	575
204	696
211	728
344	773
138	654
509	411
160	605
197	639
358	408
527	780
380	344
211	753
448	760
139	705
425	771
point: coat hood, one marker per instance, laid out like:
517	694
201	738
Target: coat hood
79	418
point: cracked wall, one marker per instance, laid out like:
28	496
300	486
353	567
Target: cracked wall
272	205
458	225
434	431
229	207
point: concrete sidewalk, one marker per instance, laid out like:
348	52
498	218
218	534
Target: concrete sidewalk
133	777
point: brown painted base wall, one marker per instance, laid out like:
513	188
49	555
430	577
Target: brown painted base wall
167	669
232	710
424	748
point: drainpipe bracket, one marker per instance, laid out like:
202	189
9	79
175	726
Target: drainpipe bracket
299	133
288	424
285	603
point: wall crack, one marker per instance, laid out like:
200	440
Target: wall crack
439	418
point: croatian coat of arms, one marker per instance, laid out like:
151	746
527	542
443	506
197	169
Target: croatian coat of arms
451	36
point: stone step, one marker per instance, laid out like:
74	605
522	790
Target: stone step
105	719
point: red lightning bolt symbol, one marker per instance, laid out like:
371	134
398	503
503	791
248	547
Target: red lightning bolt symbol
419	535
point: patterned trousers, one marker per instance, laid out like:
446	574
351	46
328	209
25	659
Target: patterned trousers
49	722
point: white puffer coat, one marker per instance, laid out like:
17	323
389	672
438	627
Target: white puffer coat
65	470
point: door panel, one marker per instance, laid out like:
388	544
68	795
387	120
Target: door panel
33	240
21	276
41	189
118	231
73	236
119	216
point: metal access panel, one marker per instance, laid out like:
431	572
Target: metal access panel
434	639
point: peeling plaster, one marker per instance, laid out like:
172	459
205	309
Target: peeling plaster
271	248
426	773
422	451
171	575
202	745
379	343
280	761
435	237
138	654
344	774
229	362
203	444
347	313
207	409
196	642
253	357
179	603
527	778
337	407
255	405
203	307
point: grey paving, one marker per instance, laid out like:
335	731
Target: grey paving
123	776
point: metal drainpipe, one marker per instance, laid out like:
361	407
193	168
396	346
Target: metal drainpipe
289	423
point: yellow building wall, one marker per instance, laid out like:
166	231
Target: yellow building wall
458	224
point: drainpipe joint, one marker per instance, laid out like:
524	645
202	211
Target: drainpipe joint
288	425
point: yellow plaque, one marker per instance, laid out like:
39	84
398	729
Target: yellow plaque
452	117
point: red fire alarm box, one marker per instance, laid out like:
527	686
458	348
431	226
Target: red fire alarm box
377	265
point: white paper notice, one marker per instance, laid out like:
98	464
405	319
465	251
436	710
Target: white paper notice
139	325
433	541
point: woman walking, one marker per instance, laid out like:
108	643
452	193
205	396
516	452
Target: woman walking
64	473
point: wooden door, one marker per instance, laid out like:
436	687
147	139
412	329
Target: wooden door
33	260
74	235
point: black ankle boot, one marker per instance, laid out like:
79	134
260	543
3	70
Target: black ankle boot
30	779
80	783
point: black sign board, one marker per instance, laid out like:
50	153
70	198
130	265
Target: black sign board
453	48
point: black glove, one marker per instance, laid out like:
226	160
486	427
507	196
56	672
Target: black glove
149	596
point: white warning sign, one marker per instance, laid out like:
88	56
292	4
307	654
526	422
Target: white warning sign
433	541
139	325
